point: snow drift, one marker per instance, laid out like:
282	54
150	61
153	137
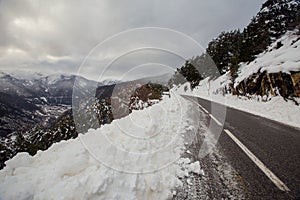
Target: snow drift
135	157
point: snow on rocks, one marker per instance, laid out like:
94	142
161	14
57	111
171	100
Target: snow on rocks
276	108
187	167
131	158
195	167
275	59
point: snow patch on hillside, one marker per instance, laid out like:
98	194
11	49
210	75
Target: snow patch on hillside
276	58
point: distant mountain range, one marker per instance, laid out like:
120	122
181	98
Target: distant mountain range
36	110
29	98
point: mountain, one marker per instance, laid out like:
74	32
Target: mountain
16	113
274	19
30	99
35	110
55	89
260	60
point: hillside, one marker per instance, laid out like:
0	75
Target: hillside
274	72
260	60
268	86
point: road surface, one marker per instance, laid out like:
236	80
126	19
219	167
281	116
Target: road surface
265	153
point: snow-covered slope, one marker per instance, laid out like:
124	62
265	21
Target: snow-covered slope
283	55
131	158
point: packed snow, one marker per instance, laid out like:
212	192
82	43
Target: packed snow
136	157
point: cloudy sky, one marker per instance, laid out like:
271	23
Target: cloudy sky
80	36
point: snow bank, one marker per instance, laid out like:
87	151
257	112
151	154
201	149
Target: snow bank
187	167
276	109
131	158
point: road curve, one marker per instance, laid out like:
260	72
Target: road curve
275	144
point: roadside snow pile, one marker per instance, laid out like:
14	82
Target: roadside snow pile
131	158
276	108
188	168
282	55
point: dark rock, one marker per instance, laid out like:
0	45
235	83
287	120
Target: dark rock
263	83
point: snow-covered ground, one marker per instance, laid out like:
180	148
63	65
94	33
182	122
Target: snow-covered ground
276	108
136	157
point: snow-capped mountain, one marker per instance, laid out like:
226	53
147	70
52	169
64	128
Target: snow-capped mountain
29	98
35	110
55	88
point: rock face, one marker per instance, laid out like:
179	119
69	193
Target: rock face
296	83
263	83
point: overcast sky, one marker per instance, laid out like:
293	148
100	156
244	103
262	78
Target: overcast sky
56	36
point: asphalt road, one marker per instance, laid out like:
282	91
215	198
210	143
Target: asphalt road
275	144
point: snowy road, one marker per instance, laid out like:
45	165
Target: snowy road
276	145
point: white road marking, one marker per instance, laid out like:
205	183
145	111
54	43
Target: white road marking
262	167
279	184
217	121
199	106
204	110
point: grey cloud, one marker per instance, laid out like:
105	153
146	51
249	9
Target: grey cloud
35	32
